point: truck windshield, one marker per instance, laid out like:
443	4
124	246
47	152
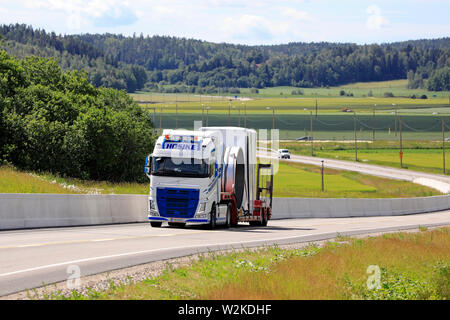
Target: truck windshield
179	167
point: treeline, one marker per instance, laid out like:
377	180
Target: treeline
136	62
73	53
55	121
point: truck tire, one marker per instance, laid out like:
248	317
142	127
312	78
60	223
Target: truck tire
156	224
265	219
228	217
212	220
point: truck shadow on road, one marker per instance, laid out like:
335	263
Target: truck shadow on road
244	228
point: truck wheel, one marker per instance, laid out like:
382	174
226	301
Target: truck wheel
228	218
212	220
156	224
265	219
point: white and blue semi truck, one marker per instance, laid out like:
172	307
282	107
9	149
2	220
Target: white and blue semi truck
208	176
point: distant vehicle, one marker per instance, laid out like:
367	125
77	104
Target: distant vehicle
284	154
306	138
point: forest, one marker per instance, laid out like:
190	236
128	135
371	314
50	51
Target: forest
55	121
141	62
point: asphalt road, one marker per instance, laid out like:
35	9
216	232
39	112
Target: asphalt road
31	258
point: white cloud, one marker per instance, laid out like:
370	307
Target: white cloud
296	14
82	12
375	21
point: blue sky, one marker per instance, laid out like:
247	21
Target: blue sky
246	22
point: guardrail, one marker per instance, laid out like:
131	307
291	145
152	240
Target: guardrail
22	211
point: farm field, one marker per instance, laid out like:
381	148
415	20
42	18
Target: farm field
325	126
303	105
418	156
412	265
292	180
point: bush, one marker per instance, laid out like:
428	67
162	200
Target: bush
254	90
424	96
388	95
342	93
58	122
297	92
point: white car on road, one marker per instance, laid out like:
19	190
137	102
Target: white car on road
284	154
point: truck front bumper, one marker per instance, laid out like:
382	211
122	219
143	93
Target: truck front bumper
179	220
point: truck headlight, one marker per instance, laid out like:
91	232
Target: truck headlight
202	207
152	205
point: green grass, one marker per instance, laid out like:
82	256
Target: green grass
16	181
302	105
304	181
292	180
338	126
412	266
419	156
359	90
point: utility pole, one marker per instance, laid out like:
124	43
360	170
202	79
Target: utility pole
207	113
160	120
316	108
373	124
401	142
245	115
229	113
443	145
323	185
203	107
396	119
273	116
311	130
239	120
176	116
356	140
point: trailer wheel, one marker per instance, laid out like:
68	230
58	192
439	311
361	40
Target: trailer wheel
265	219
212	220
156	224
229	214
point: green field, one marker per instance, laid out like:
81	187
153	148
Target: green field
292	114
417	155
359	90
325	126
304	181
291	180
302	105
412	266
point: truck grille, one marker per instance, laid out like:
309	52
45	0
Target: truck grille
177	202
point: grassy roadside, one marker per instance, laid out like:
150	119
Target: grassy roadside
292	180
423	156
13	180
301	180
412	266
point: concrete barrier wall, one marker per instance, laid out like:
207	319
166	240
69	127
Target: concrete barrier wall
20	211
284	208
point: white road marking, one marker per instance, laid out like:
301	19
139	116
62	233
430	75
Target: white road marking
181	247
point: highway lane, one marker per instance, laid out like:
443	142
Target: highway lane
436	181
29	258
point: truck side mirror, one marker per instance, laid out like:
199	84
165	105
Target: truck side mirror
148	164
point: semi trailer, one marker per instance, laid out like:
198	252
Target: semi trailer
208	176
